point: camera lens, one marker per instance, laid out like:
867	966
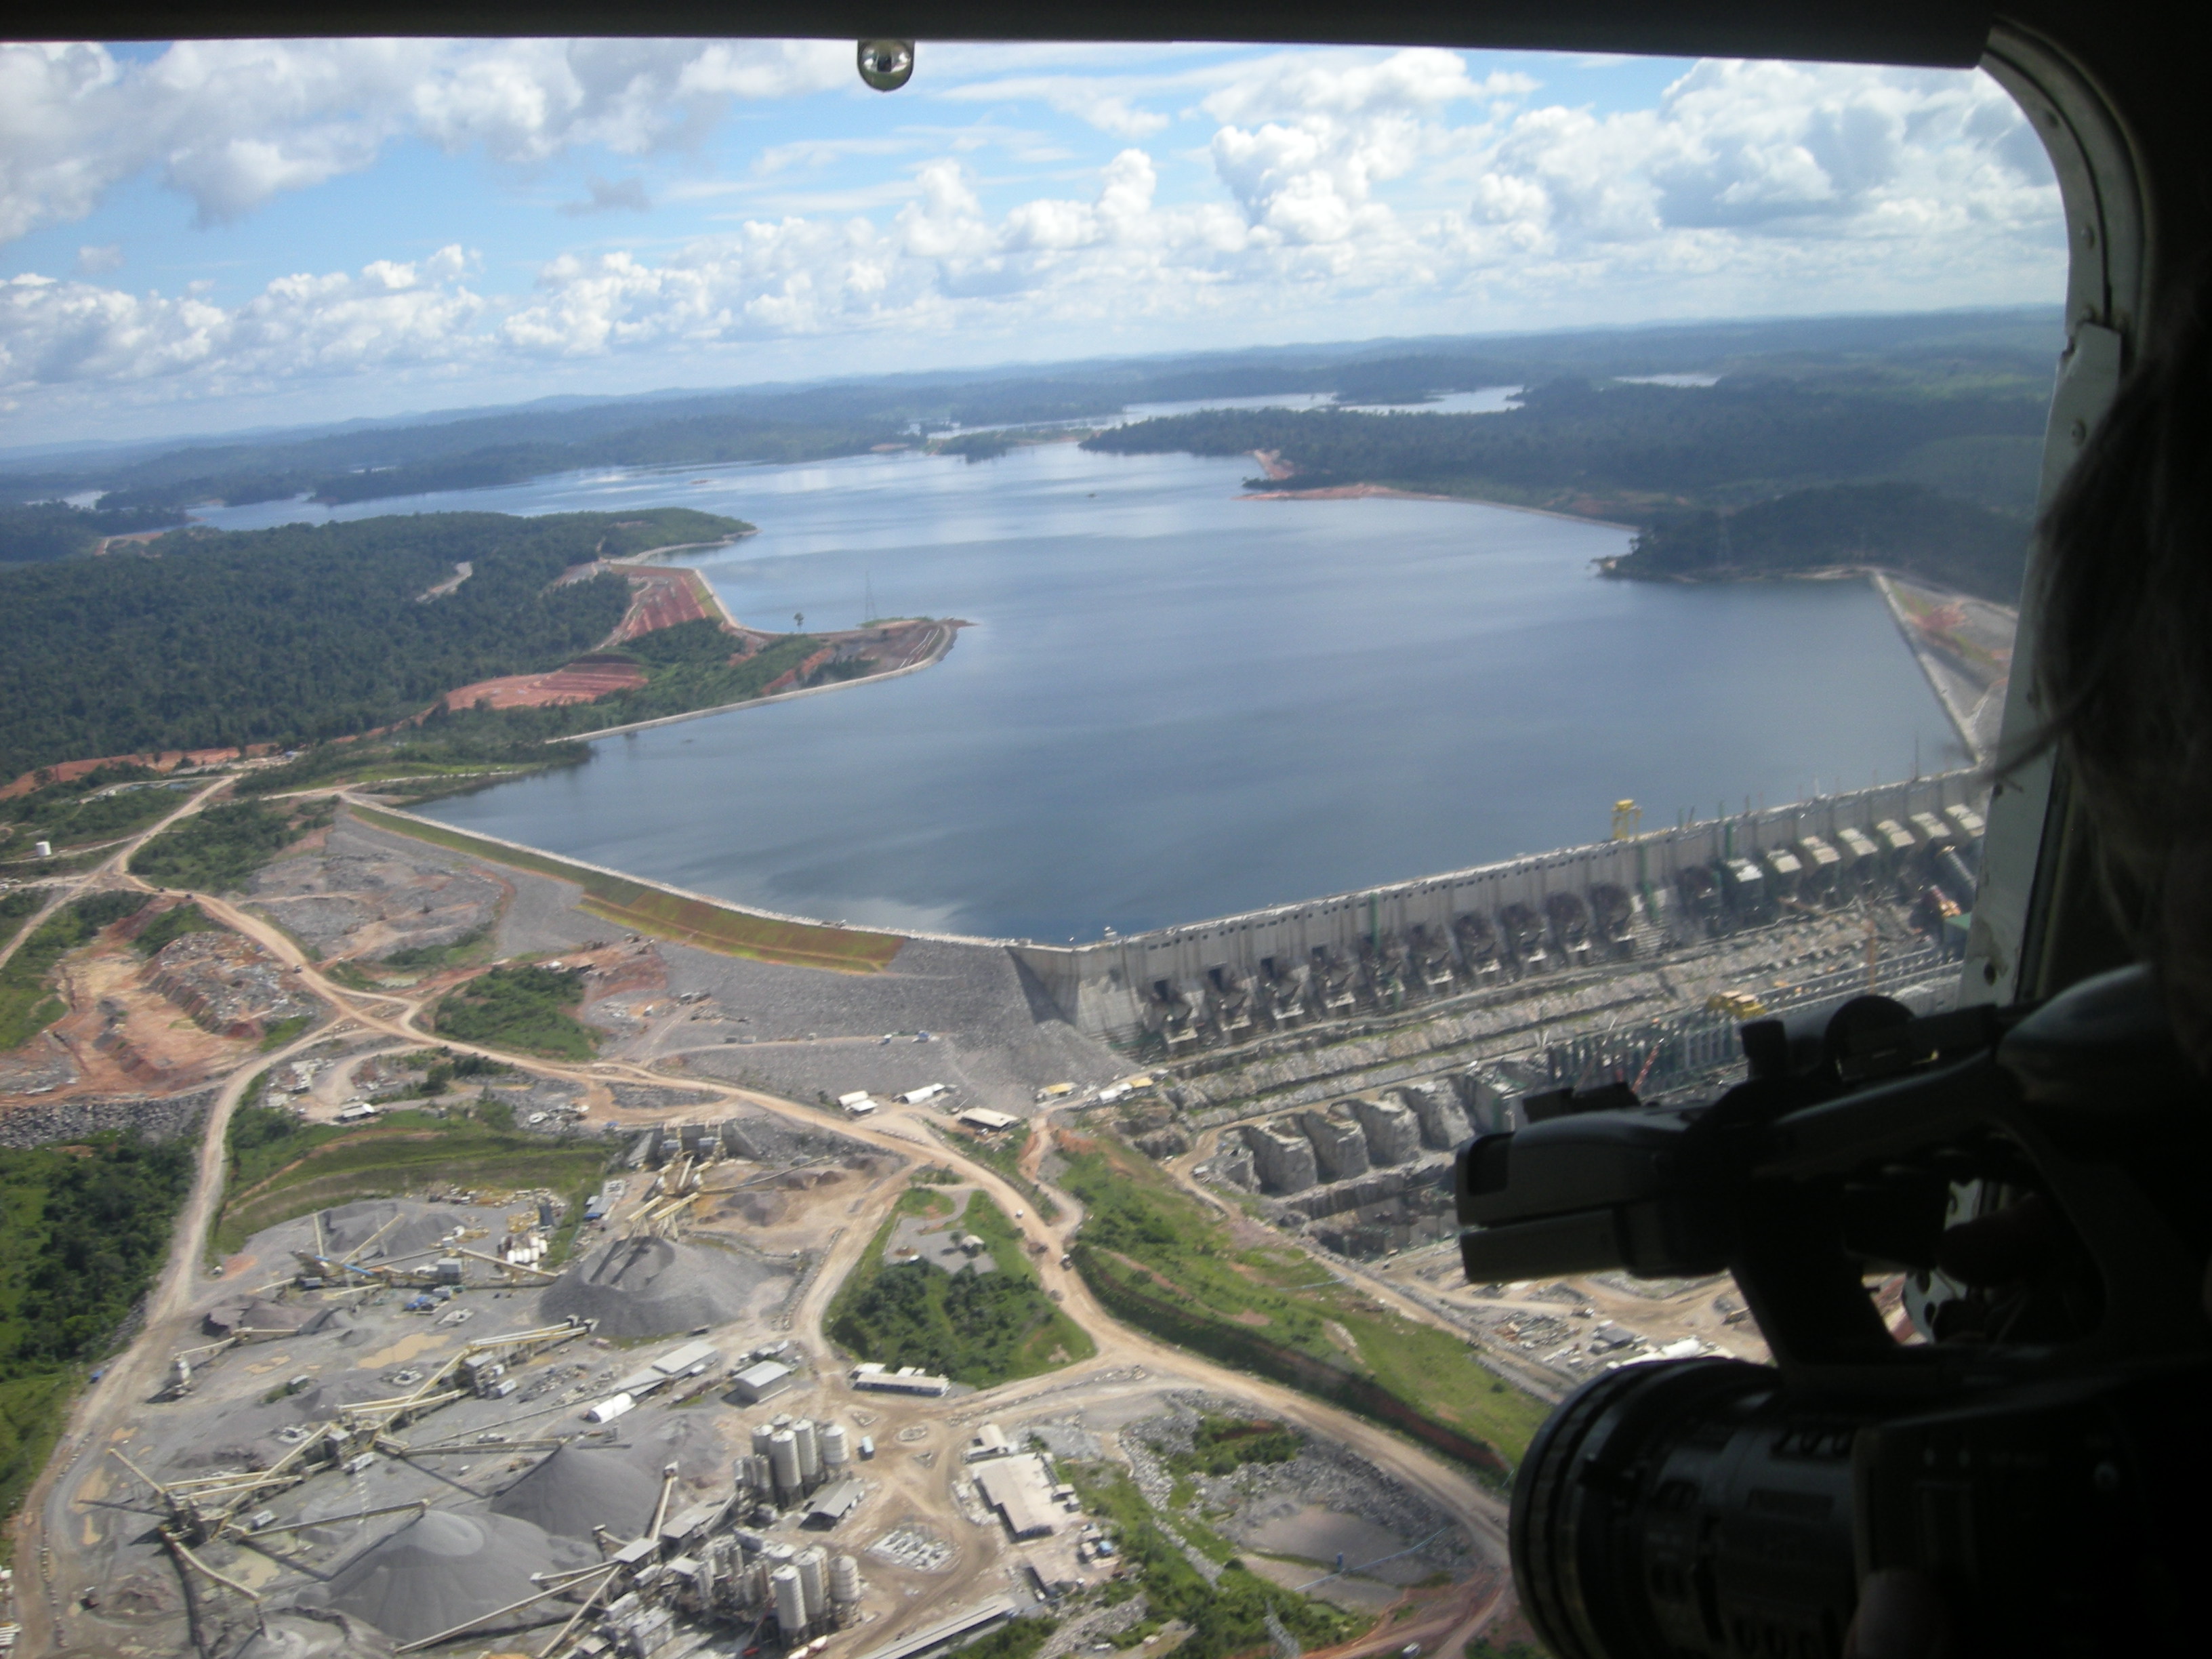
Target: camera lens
1672	1508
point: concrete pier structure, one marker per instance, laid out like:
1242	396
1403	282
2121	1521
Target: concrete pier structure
1394	1134
1335	951
1282	1158
1339	1142
1443	1121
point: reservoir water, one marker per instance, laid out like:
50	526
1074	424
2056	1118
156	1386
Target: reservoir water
1175	703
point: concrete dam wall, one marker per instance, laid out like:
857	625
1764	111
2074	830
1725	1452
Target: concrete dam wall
1237	976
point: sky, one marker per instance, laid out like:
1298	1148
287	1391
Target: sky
207	237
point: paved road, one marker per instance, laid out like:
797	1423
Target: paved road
138	1373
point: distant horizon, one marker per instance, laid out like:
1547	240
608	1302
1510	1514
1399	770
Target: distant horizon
242	236
17	457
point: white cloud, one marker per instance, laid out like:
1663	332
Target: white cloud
98	261
1340	194
56	333
230	123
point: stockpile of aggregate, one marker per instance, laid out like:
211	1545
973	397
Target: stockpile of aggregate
656	1287
580	1487
351	1226
314	1634
441	1570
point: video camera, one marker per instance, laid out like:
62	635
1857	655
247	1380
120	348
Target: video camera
2040	1453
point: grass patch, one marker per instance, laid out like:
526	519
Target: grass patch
1017	1638
979	1328
646	909
52	815
282	1031
1157	1257
1222	1445
281	1167
172	925
524	1008
470	947
1227	1617
17	908
217	849
83	1229
27	1004
1003	1152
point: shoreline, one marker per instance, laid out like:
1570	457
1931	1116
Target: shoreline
1272	464
949	632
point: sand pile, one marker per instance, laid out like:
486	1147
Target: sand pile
580	1487
441	1570
350	1226
653	1287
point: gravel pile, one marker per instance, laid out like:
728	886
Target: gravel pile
580	1487
653	1287
313	1633
441	1570
350	1226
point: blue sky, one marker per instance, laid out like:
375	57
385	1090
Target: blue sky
202	237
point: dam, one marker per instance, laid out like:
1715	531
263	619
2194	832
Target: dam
1428	940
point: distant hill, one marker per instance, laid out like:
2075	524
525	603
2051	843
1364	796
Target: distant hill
364	461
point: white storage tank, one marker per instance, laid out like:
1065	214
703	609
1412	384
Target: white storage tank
607	1410
813	1569
810	1450
783	1459
763	1433
844	1581
790	1600
836	1447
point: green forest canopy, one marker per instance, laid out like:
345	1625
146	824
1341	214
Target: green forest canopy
299	633
1940	469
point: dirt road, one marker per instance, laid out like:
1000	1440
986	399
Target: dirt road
137	1373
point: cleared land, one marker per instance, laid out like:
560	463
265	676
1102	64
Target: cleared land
278	1176
584	680
656	910
1155	1256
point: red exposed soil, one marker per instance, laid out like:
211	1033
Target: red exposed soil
166	761
581	681
662	598
791	676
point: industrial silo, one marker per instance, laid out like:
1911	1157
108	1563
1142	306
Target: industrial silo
790	1602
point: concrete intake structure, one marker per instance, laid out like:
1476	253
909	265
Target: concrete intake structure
1443	1119
1340	1144
1318	959
1394	1135
1282	1157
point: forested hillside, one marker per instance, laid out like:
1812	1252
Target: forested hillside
36	530
1906	527
287	635
380	460
1731	479
1627	443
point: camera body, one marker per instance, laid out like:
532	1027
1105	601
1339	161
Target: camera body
2043	1459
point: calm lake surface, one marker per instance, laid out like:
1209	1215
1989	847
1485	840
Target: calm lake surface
1175	703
